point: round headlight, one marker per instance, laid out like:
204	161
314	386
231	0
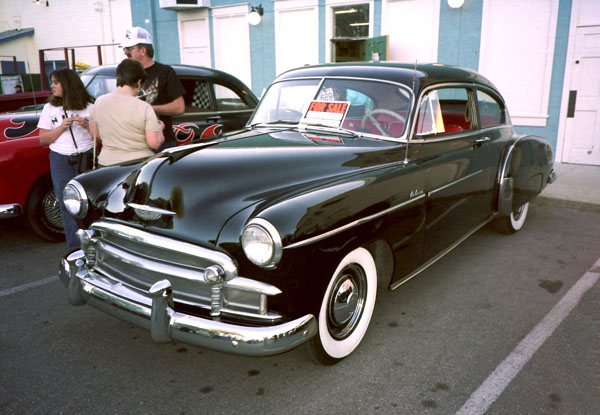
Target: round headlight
261	243
75	199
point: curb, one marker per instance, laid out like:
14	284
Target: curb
563	203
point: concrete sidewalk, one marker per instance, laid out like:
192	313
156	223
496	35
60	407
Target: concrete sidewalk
576	186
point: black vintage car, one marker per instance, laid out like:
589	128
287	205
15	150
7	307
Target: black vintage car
215	101
345	177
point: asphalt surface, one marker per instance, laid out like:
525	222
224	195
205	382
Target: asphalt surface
431	345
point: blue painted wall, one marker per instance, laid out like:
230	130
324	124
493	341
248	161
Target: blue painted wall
262	50
460	34
322	40
162	24
376	18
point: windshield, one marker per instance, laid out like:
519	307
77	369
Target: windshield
99	84
361	106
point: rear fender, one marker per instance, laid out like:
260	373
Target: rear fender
524	172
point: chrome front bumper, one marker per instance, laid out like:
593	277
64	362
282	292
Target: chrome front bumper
154	311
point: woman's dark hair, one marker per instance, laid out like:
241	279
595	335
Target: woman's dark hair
130	72
74	94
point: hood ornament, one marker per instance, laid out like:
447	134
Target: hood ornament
148	212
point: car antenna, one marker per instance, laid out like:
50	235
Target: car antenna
31	81
413	89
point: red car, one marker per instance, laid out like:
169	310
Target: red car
214	102
23	100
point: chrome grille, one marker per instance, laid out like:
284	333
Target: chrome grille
139	259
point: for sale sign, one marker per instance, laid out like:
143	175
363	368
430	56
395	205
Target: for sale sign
328	113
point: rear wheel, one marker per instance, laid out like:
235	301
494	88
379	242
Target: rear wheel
346	308
514	222
43	211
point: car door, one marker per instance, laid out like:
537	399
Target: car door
459	164
211	108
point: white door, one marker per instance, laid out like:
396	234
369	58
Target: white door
412	27
296	37
232	42
582	130
194	38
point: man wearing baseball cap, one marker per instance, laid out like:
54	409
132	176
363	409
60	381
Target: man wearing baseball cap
162	88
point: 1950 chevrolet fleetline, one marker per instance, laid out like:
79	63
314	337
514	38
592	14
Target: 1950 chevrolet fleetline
346	177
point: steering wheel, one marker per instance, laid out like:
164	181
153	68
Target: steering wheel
371	117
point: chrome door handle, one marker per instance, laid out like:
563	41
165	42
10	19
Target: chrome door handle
482	140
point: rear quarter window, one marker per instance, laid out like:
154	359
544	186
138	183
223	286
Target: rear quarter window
491	112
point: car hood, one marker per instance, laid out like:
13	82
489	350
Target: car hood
189	193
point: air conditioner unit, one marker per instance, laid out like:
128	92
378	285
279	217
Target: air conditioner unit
183	4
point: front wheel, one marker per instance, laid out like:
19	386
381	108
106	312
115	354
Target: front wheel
514	222
43	212
346	308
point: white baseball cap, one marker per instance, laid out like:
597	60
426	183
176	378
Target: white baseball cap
135	36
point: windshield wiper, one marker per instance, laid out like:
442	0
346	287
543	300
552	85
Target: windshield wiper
329	128
272	123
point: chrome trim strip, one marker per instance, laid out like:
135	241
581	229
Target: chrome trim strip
10	210
152	266
502	172
146	208
253	286
353	224
126	291
439	189
438	256
152	310
164	243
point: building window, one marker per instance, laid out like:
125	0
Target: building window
350	29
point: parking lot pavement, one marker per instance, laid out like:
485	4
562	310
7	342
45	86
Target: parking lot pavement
431	345
575	309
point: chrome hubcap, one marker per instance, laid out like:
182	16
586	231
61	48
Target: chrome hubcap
51	209
517	213
346	302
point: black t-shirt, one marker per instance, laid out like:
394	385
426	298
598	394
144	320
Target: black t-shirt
162	87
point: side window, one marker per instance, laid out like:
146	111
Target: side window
197	96
99	85
228	100
444	111
491	112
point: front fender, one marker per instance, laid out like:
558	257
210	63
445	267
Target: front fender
103	183
378	207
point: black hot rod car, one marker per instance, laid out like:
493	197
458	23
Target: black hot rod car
277	235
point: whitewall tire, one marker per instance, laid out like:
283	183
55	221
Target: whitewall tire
346	308
514	222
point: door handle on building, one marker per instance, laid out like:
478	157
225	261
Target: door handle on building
571	106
